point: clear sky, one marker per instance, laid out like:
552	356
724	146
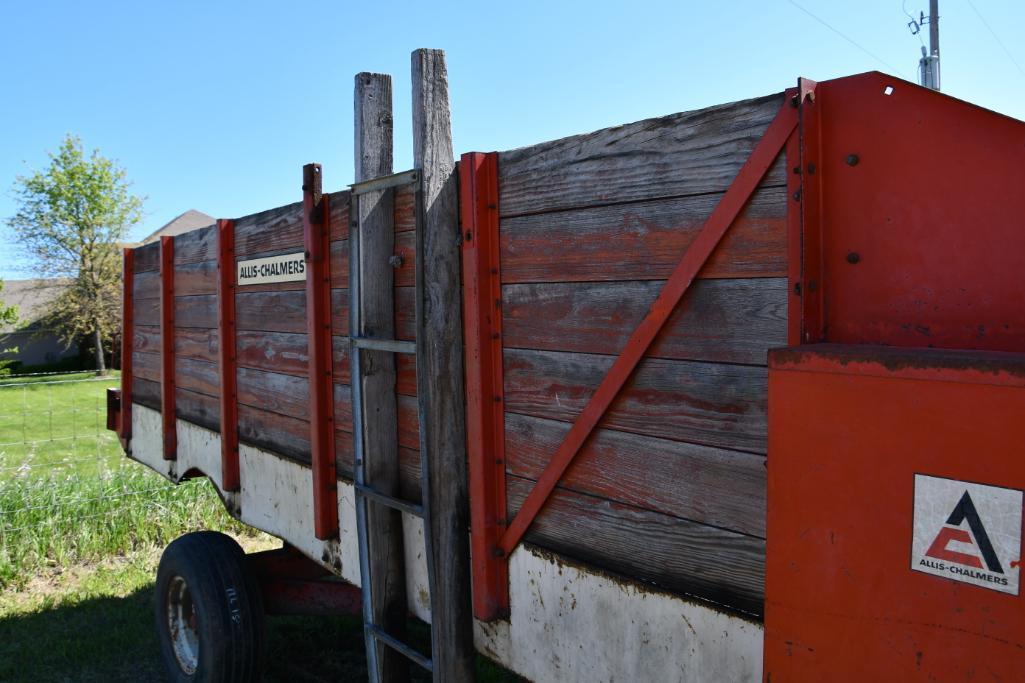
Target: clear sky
216	105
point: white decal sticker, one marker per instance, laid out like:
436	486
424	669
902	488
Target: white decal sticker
967	532
283	268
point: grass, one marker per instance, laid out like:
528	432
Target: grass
81	532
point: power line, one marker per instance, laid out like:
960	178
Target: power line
845	37
996	37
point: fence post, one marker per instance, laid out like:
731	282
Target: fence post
440	379
373	152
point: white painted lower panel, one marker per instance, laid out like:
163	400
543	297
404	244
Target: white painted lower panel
567	623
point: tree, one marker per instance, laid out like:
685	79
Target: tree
72	217
8	316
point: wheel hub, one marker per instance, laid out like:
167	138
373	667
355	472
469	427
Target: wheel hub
182	625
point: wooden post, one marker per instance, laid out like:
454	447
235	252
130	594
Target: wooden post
373	151
440	380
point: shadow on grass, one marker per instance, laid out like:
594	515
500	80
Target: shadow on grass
113	639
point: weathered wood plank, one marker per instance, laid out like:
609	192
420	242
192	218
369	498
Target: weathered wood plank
147	285
283	311
705	403
376	218
196	311
404	247
677	155
194	278
729	321
146	366
146	311
198	408
146	338
196	342
145	392
274	432
644	241
441	372
271	391
277	229
147	257
676	554
200	376
195	246
706	485
285	352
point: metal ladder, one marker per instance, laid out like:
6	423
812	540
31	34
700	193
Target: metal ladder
365	493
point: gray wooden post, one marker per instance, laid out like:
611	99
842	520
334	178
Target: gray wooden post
373	152
440	380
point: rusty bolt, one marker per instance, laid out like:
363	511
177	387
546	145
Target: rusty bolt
852	159
853	257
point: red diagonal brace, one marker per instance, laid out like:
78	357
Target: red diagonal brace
676	286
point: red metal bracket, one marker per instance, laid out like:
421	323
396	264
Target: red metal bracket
168	409
317	235
227	354
795	242
732	202
812	320
485	410
124	429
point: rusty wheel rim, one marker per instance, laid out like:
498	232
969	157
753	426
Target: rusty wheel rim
182	625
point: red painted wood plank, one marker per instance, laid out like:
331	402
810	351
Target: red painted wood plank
643	241
725	321
167	364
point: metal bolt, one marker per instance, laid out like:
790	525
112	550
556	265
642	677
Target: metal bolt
395	260
469	235
853	257
852	159
811	169
797	196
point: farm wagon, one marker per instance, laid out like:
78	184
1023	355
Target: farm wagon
528	393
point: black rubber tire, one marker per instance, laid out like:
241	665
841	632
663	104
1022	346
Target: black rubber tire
229	617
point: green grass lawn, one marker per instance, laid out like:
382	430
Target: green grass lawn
81	531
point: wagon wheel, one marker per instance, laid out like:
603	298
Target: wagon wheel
209	611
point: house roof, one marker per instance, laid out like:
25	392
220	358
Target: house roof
32	297
190	220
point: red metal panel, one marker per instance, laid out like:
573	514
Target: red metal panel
922	207
485	409
127	344
316	234
227	354
292	583
762	157
167	396
850	427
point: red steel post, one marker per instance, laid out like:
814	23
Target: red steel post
167	397
127	345
316	235
732	202
227	354
812	320
795	178
485	409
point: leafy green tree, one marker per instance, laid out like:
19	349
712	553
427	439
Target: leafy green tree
72	218
8	316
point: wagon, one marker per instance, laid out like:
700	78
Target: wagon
531	397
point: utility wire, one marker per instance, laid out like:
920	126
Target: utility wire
996	37
845	37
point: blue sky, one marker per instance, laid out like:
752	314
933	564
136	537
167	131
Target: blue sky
216	105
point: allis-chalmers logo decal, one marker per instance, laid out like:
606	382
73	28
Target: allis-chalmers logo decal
967	532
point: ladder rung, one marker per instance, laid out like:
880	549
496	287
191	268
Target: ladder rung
400	647
393	345
390	501
384	182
